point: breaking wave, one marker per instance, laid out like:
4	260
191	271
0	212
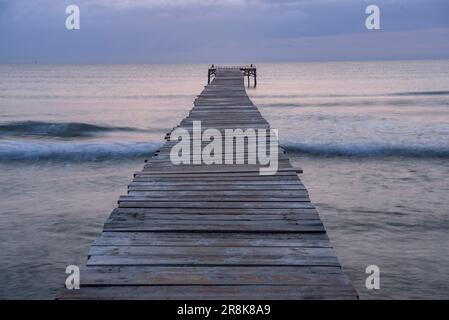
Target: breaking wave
26	151
57	129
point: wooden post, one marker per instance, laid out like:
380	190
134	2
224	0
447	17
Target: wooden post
255	78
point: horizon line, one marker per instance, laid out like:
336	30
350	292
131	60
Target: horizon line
36	62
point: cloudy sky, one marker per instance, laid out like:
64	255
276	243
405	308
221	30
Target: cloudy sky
205	31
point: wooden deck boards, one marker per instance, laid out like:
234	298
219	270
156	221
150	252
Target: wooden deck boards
214	231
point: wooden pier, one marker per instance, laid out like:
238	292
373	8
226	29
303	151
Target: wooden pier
214	231
248	72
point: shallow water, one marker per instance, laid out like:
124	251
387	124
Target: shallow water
372	138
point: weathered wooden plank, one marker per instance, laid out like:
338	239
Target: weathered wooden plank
309	209
133	216
210	175
217	204
271	184
212	198
142	186
232	193
187	275
198	292
204	256
221	226
239	239
263	180
155	170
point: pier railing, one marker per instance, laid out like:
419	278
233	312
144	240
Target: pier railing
248	72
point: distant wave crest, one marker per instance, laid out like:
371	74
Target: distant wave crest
422	93
24	150
56	129
369	150
352	95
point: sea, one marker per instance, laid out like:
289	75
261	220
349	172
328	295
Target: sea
371	137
